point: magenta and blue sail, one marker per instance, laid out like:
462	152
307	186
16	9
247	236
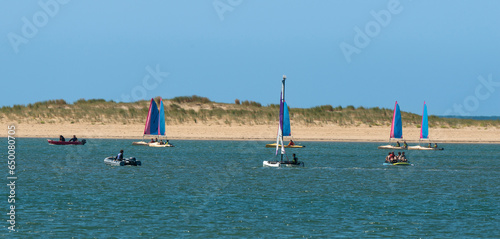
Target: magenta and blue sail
155	122
424	129
397	124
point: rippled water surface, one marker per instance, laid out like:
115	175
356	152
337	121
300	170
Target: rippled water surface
208	189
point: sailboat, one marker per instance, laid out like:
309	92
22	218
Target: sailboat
424	133
396	130
155	126
283	130
286	126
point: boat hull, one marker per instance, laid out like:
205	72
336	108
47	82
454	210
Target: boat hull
158	145
286	146
54	142
391	147
277	164
125	162
140	143
397	164
418	147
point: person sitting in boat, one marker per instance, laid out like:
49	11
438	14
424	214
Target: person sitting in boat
156	139
405	145
61	138
295	159
403	157
119	157
394	159
429	146
291	143
161	142
152	140
397	144
74	139
398	158
435	145
388	158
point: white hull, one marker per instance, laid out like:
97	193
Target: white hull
390	147
140	143
277	164
418	147
158	145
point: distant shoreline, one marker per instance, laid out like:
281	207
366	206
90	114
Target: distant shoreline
273	141
265	133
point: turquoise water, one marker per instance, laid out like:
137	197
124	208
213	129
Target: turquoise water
219	189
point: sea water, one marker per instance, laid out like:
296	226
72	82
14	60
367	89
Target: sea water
219	189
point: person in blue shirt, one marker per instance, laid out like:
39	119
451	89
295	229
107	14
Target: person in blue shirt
74	139
119	157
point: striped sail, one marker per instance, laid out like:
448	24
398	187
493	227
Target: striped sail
151	127
397	125
424	129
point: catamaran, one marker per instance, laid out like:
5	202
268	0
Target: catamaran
396	130
424	133
284	129
155	127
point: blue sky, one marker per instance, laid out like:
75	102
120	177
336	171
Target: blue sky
363	53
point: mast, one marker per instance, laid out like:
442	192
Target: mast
282	116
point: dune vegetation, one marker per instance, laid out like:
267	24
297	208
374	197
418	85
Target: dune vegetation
201	110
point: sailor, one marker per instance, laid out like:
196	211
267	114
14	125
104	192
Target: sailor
61	138
397	144
291	143
398	158
429	146
388	158
295	159
152	140
405	145
435	145
119	157
74	139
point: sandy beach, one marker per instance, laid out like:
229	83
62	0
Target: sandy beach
255	132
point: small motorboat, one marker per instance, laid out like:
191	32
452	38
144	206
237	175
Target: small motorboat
57	142
126	161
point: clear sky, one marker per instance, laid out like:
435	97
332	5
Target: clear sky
363	53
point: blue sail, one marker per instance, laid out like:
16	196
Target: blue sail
161	123
397	124
286	121
424	130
